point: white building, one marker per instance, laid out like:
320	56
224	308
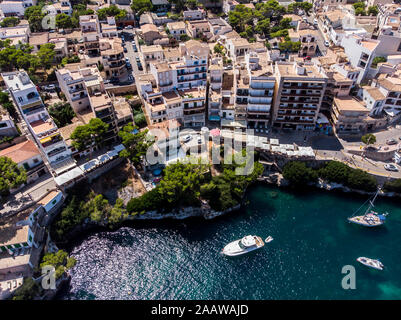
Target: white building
40	125
16	7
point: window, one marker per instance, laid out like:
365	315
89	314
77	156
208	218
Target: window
399	47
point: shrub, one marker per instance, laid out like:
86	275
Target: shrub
335	171
298	174
393	186
368	139
359	179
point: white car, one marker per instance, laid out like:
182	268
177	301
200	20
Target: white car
390	167
199	140
391	141
49	87
187	138
326	43
315	22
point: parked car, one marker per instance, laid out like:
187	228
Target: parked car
129	27
140	68
327	43
137	59
131	78
187	138
199	140
391	141
125	50
49	87
390	167
315	23
128	65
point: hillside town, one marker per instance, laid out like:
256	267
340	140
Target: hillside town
82	80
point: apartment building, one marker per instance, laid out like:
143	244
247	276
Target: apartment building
19	33
113	60
215	88
16	7
90	29
254	90
197	28
152	53
390	87
298	95
176	89
307	38
177	29
349	116
72	83
109	28
360	51
194	106
39	123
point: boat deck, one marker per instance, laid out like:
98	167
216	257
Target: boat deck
259	242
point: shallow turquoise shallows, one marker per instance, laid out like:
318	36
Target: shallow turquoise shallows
181	259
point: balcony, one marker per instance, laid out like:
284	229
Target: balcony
56	151
194	79
26	103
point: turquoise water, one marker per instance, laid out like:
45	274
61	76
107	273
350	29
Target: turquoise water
181	259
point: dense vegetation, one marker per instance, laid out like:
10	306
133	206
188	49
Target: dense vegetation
11	176
298	174
111	11
59	260
27	291
7	104
140	6
21	56
360	9
186	184
61	113
393	186
82	206
89	134
136	144
269	22
9	22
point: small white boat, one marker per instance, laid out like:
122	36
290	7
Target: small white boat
244	245
269	239
372	263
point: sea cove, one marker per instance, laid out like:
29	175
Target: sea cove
181	259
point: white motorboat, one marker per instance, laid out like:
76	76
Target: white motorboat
372	263
242	246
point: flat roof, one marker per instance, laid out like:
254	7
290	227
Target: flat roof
349	104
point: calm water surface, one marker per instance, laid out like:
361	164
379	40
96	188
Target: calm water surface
181	259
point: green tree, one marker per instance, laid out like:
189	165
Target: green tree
46	55
298	174
59	260
89	134
35	16
368	138
118	213
136	144
98	208
63	21
11	176
263	27
373	10
9	22
141	6
377	60
361	180
28	291
218	48
240	17
111	11
61	113
335	171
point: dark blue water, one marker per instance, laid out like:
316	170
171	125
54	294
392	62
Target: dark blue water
181	259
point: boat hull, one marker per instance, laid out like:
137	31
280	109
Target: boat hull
371	263
359	220
230	249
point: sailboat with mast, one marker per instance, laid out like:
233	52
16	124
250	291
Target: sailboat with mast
370	218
